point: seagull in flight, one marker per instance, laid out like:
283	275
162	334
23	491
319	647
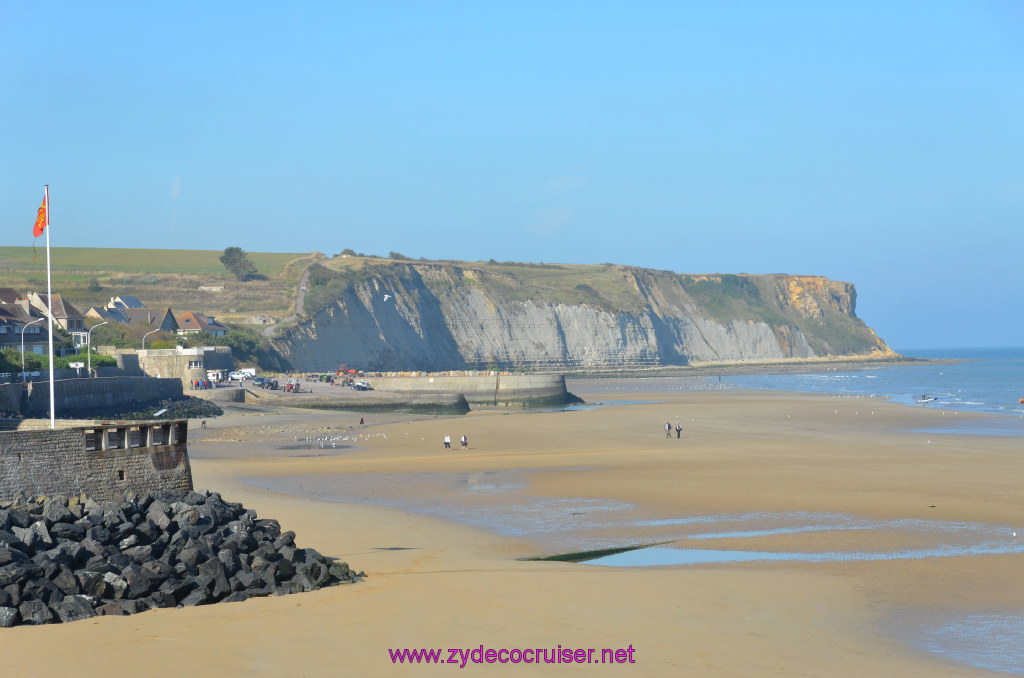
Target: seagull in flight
386	297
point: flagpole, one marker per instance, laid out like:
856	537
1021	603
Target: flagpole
49	300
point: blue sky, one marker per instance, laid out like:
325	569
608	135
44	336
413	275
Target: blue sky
880	143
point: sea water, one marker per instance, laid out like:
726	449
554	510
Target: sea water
985	380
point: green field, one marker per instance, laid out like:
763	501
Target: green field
90	260
88	276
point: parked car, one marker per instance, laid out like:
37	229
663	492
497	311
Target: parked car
362	386
237	376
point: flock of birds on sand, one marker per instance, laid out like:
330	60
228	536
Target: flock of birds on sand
333	440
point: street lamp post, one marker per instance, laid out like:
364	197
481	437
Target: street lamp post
37	320
146	335
88	344
144	342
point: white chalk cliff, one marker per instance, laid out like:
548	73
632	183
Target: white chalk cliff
438	316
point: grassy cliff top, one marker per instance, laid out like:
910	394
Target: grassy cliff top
601	285
90	276
173	278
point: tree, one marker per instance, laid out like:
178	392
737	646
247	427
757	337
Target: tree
238	262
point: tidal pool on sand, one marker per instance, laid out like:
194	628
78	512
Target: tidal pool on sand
500	501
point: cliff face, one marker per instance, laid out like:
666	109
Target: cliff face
425	316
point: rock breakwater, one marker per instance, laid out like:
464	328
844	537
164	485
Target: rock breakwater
68	559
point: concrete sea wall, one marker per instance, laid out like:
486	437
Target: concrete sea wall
74	397
101	461
221	395
431	404
505	390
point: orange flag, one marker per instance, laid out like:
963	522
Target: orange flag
41	219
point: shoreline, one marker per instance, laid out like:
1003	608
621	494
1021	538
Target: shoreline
745	368
434	582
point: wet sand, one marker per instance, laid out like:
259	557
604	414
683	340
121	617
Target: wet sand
444	581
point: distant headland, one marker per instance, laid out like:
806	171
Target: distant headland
314	313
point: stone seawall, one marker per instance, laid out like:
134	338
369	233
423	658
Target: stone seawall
505	390
102	461
10	398
74	397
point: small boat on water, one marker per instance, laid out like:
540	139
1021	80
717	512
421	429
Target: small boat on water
926	399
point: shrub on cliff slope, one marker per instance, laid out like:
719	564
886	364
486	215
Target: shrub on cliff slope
326	285
248	346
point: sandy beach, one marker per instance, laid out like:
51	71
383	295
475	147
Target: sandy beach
441	536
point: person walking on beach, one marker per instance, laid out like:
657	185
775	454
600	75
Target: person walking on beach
668	430
447	442
465	443
679	429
